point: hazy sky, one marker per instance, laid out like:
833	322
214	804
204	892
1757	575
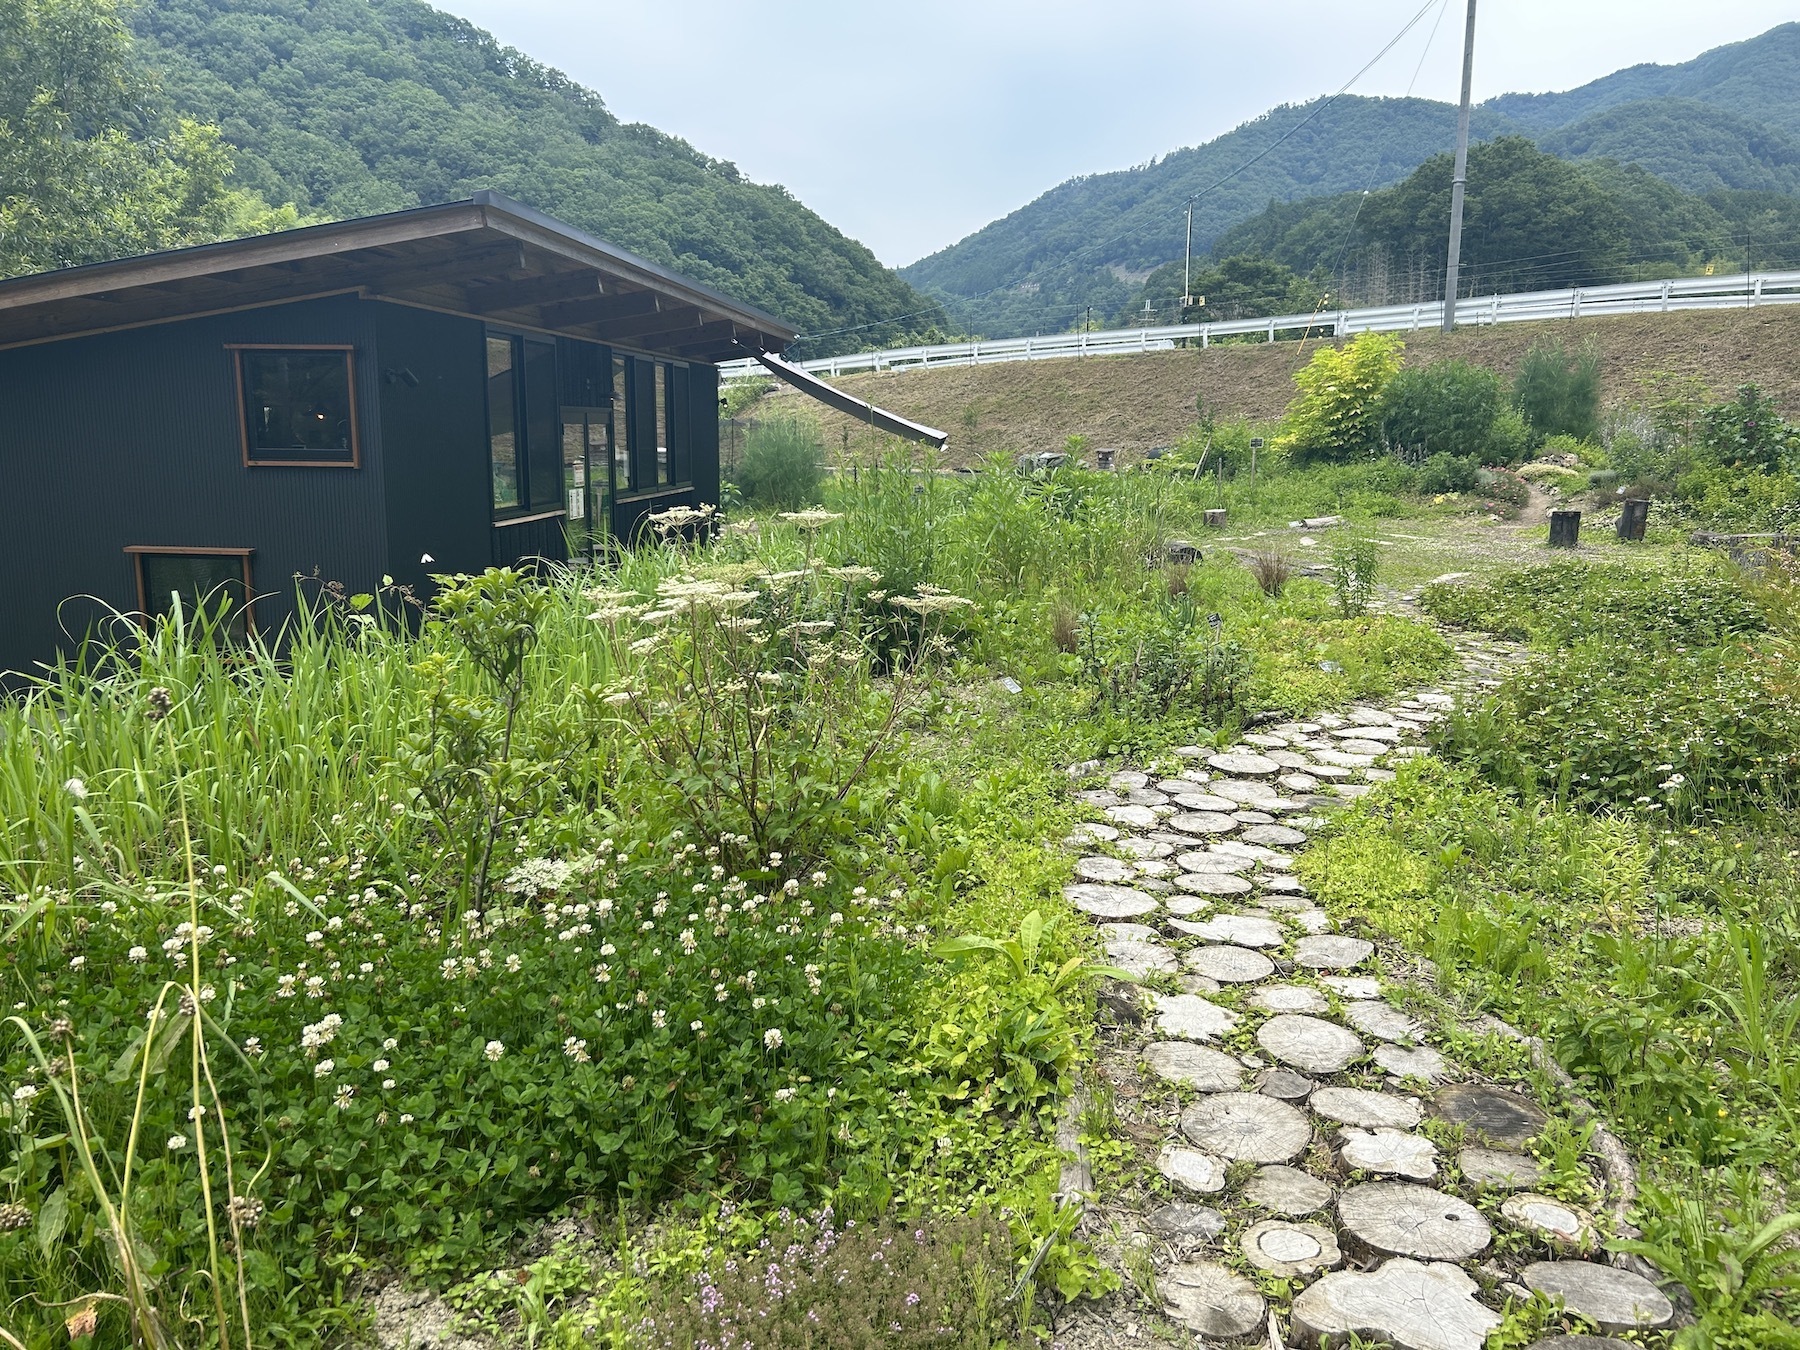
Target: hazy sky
910	126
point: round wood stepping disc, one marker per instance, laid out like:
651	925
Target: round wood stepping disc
1263	741
1190	1168
1145	848
1298	782
1331	771
1498	1169
1191	1017
1312	920
1180	1221
1491	1113
1111	871
1154	867
1393	1153
1287	1190
1229	965
1357	746
1135	817
1284	885
1110	902
1204	801
1612	1299
1203	861
1387	735
1194	1066
1141	958
1128	932
1406	1304
1289	1249
1289	998
1247	1126
1309	1044
1581	1343
1343	759
1288	759
1146	797
1248	817
1249	765
1406	1220
1212	883
1350	791
1212	1300
1242	930
1369	1110
1243	791
1127	779
1561	1226
1285	1085
1090	833
1353	986
1332	951
1202	823
1186	906
1383	1021
1274	836
1099	797
1268	857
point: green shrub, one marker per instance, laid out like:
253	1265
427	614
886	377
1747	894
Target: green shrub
1735	499
1561	603
1748	432
783	462
1447	408
1582	452
1355	562
1337	417
1448	473
1146	664
1558	391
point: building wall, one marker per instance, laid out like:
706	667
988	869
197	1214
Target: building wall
132	438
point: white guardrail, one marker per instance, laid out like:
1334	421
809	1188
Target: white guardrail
1632	297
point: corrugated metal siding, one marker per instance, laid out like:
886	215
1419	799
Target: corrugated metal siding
132	438
703	432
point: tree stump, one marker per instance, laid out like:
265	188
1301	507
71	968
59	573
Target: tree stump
1194	1066
1565	529
1365	1109
1212	1300
1290	1250
1215	518
1229	965
1401	1219
1287	1190
1612	1299
1248	1127
1309	1043
1633	518
1405	1304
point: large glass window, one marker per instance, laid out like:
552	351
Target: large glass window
298	405
543	452
503	421
662	424
216	581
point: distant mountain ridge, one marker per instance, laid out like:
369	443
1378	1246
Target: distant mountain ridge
349	107
1728	120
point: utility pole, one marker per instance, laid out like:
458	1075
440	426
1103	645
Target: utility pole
1461	177
1187	263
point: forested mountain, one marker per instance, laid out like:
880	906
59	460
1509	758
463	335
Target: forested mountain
1726	123
1532	221
353	106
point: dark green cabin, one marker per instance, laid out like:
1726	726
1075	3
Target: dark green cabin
435	390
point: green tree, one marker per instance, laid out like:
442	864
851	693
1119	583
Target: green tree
90	166
1242	287
1448	407
1558	391
1337	416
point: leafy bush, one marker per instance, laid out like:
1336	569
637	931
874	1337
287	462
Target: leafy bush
1447	408
815	1284
1561	603
1448	473
1147	663
1748	432
1558	391
1337	416
783	462
1737	500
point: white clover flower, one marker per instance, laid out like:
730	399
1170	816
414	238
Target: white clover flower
379	1066
77	962
387	1085
390	1044
76	789
696	1025
252	1046
772	1039
659	1019
344	1093
790	887
24	1093
177	1142
513	963
835	918
576	1049
493	1050
784	1094
323	1068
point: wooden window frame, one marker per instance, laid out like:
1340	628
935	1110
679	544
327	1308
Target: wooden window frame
237	350
136	552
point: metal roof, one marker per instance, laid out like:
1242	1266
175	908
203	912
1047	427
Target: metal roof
488	257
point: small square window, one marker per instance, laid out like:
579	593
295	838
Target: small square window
298	405
216	580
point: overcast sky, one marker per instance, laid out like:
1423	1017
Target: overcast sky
911	126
